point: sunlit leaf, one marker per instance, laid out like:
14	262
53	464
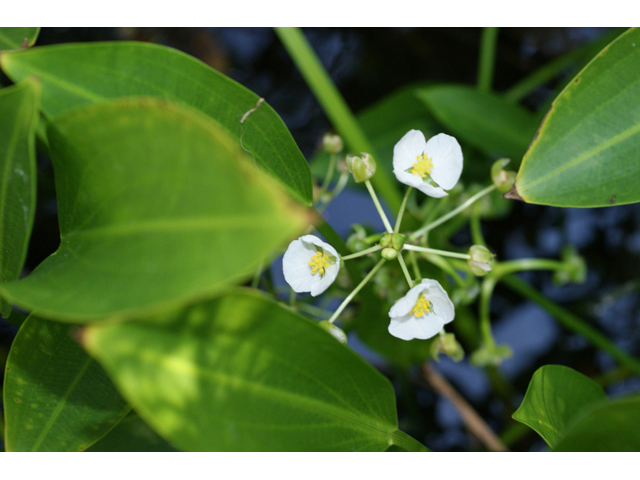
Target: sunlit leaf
608	427
243	373
156	205
12	38
79	73
56	397
556	395
18	119
586	151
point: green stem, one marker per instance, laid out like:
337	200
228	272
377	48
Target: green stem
476	229
364	281
396	227
405	270
407	442
383	215
452	213
444	253
327	178
572	322
500	269
487	58
334	105
486	291
413	258
446	266
375	248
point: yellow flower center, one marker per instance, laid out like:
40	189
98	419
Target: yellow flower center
423	165
422	307
318	263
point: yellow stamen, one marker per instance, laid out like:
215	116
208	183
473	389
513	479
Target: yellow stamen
423	166
422	307
318	263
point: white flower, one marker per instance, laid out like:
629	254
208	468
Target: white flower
422	312
432	167
310	265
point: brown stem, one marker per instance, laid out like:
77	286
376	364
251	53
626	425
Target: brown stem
476	425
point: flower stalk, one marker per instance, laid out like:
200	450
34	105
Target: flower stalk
364	281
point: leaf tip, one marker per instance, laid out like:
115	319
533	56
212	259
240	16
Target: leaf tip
513	194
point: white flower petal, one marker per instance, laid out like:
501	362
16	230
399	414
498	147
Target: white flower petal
325	282
407	149
446	154
406	326
295	265
410	327
405	304
295	258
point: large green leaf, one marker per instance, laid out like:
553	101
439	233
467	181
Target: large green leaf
485	120
12	38
608	427
556	395
131	434
56	397
586	151
18	119
156	205
75	74
242	372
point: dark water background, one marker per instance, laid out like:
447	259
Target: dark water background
366	65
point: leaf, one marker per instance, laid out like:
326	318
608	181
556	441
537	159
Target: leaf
56	397
156	206
18	119
609	427
242	373
556	395
586	151
80	73
12	38
485	120
131	434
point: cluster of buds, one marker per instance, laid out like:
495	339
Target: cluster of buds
391	244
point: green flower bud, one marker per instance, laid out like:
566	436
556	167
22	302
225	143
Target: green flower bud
575	268
393	240
448	345
335	331
502	179
480	261
332	143
363	168
389	253
493	355
357	242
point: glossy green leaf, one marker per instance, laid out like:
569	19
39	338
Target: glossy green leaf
485	120
243	373
80	73
607	427
586	151
18	119
12	38
131	434
56	397
156	205
556	394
